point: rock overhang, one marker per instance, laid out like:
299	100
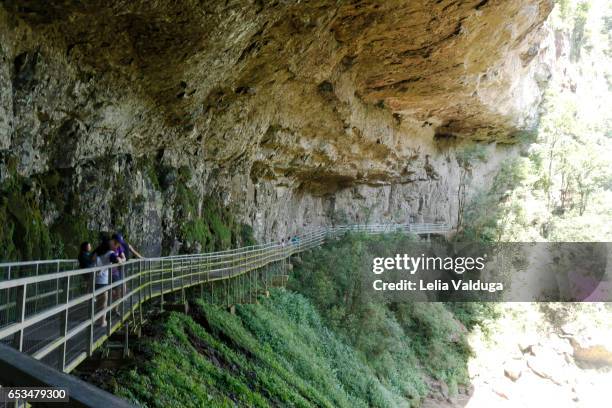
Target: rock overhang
347	89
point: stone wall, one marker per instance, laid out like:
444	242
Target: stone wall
291	114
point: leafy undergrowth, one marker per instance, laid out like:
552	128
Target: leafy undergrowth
405	342
322	344
277	353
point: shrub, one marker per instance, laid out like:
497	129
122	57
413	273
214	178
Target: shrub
431	338
278	353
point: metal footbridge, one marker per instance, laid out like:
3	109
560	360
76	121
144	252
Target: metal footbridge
52	311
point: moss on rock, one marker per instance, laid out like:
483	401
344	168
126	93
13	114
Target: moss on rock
43	216
207	225
24	234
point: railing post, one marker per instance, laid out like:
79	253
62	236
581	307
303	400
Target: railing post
172	275
183	297
57	285
140	293
126	337
36	294
122	289
190	269
162	286
183	284
225	292
150	274
181	271
266	278
109	302
20	306
64	325
141	289
235	267
92	314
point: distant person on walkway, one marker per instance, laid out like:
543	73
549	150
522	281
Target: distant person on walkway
103	258
128	249
87	259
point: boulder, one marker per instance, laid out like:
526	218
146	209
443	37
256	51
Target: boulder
513	369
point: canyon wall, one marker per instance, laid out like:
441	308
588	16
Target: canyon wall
291	114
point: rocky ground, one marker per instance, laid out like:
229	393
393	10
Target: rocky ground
539	355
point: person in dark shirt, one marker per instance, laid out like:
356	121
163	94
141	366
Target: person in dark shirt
86	256
128	250
118	257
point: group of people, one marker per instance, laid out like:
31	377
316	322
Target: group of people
113	250
295	240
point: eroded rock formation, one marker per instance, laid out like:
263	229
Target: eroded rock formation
294	112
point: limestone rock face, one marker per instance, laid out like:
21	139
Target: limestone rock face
325	107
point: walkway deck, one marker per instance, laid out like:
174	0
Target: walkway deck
48	309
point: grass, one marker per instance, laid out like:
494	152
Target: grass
403	341
327	346
277	353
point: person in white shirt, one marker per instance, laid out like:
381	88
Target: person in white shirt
103	259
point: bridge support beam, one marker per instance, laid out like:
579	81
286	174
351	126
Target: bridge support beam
181	307
126	340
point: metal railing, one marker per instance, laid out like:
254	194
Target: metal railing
13	270
55	312
20	369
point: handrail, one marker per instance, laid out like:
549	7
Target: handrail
54	316
425	227
49	261
23	369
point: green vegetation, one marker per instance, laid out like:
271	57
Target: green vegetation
579	37
71	228
489	213
206	225
42	216
431	340
278	353
467	157
560	187
25	234
473	314
328	346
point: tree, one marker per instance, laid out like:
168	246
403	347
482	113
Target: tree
466	157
